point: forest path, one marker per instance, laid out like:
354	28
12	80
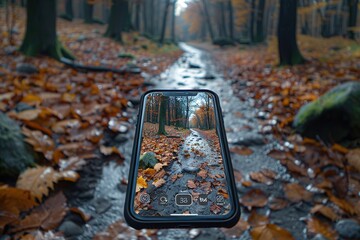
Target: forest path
193	70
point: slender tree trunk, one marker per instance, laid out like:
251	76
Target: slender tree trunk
137	16
173	25
288	49
353	10
163	28
162	115
169	112
208	20
231	20
252	21
88	12
114	28
259	37
222	20
40	36
69	9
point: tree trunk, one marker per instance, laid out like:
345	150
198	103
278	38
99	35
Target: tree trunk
173	25
162	115
114	28
259	37
88	12
353	10
187	113
252	21
288	49
40	36
208	20
222	20
163	28
137	16
69	12
125	16
231	20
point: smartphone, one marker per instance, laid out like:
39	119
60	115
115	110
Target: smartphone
181	173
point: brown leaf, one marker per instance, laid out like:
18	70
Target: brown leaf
255	219
260	177
223	192
120	230
277	203
343	204
325	211
254	198
62	126
241	150
203	173
29	115
38	180
238	176
316	226
41	142
141	183
237	230
175	177
84	216
270	232
353	157
215	208
159	182
296	193
158	166
191	184
47	216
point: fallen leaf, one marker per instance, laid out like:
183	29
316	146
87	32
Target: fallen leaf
237	230
255	219
270	232
191	184
325	211
84	216
343	204
241	150
158	166
47	216
316	226
353	157
260	177
159	182
203	173
215	208
254	198
40	179
296	193
277	203
41	142
141	183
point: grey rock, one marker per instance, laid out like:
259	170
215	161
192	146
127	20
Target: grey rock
121	138
147	160
70	229
319	237
191	169
148	84
194	65
22	107
255	140
181	83
101	205
26	68
15	154
348	228
87	195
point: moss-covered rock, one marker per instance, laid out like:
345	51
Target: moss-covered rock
15	154
334	117
147	160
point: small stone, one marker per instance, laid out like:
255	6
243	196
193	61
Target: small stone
22	107
102	205
121	138
87	195
122	187
181	83
194	65
186	76
319	237
247	141
70	229
134	101
348	228
26	68
148	84
191	169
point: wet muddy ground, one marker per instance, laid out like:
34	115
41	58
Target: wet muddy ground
100	193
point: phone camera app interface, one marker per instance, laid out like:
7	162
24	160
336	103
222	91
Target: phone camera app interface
180	168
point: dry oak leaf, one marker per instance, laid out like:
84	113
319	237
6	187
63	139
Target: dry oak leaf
260	178
62	126
38	180
159	182
47	216
41	142
237	230
277	203
325	211
158	166
316	226
353	157
254	198
118	230
12	202
241	150
255	219
191	184
270	232
296	193
140	183
84	216
107	151
343	204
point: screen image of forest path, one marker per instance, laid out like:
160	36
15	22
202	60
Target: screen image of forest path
180	154
287	74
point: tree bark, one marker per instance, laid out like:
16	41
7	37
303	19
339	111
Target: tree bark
137	16
252	21
40	36
207	16
173	24
231	20
114	28
353	10
163	28
69	9
288	49
88	12
259	37
162	115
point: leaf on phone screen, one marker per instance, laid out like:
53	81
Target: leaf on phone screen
203	173
140	183
159	182
149	173
223	192
158	166
191	184
215	208
176	176
160	174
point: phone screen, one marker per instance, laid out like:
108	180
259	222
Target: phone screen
180	168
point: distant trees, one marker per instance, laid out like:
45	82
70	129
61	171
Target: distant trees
119	20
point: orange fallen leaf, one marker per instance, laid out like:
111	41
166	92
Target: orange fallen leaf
316	226
141	183
254	198
255	219
191	184
325	211
159	182
270	232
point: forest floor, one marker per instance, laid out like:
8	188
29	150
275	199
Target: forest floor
83	124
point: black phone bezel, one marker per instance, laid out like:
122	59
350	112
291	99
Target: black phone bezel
182	221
